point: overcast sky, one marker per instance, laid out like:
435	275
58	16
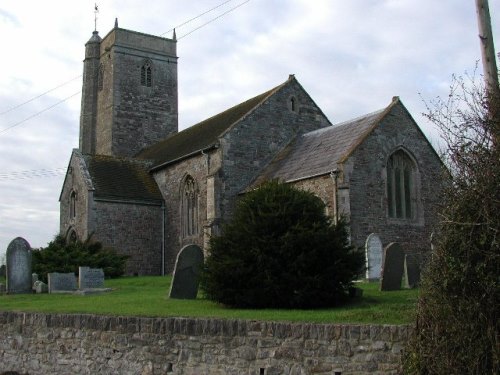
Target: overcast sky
352	56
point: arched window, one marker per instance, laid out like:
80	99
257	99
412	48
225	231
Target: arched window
401	190
293	105
72	237
146	73
189	208
100	77
72	205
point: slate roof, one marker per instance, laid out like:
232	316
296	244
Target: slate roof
201	136
320	151
117	178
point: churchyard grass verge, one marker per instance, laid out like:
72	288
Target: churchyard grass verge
148	296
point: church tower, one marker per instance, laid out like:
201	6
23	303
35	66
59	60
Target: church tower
129	94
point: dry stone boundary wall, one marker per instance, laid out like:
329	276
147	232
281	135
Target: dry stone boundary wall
36	343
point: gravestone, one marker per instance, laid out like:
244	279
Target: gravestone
90	278
40	287
2	270
373	250
19	266
187	273
34	279
62	282
392	269
411	276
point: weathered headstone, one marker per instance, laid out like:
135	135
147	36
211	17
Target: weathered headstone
19	266
90	278
187	273
62	282
34	279
412	267
373	250
392	270
40	287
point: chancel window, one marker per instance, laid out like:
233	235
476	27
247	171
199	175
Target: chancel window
401	192
72	205
146	73
189	208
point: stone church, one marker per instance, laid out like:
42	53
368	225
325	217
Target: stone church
139	185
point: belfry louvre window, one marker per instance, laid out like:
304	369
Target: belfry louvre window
401	171
146	74
189	208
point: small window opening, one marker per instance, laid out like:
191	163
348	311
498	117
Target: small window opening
189	208
146	74
262	371
72	205
293	104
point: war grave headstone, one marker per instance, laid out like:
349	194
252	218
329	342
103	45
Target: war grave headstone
373	250
19	266
62	282
393	266
187	270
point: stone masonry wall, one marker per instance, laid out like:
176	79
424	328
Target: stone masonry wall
140	233
255	140
36	343
365	174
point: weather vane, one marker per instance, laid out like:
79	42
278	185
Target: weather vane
96	10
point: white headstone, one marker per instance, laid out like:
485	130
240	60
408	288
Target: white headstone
374	253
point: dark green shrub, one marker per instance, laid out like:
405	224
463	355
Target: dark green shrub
458	317
63	256
281	250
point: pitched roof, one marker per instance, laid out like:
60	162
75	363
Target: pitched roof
117	178
201	136
320	151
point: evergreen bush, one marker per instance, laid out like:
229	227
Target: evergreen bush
62	256
281	250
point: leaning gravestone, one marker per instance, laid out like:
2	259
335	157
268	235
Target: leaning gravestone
187	273
61	282
90	278
19	266
392	270
373	249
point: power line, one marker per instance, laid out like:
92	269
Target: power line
195	18
35	173
38	113
39	96
214	19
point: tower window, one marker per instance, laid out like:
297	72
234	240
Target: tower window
401	192
146	74
189	208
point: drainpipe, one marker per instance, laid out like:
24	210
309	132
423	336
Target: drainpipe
334	175
163	239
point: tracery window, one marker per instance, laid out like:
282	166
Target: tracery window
72	205
146	74
401	191
189	208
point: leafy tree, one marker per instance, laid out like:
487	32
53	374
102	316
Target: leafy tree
63	256
458	322
281	250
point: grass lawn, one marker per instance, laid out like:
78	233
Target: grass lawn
148	296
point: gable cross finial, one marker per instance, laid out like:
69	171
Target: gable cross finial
96	10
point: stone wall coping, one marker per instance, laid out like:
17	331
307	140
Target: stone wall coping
211	326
